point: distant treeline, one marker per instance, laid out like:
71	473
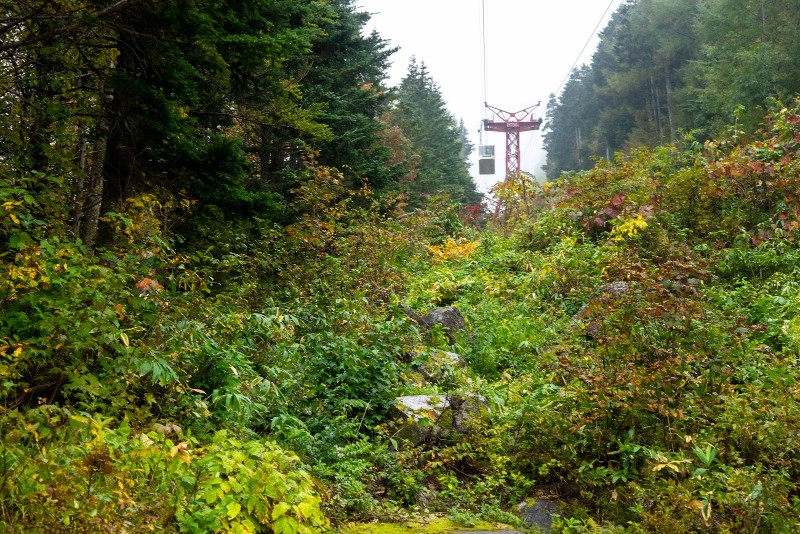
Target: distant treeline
669	66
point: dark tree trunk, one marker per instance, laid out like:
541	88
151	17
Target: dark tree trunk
668	85
93	197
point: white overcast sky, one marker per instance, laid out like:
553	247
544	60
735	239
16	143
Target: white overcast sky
530	47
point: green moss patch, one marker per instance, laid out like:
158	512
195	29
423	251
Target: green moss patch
438	525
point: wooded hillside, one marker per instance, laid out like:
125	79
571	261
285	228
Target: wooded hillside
669	66
245	288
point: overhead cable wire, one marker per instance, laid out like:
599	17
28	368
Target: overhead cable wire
580	54
589	40
484	39
484	67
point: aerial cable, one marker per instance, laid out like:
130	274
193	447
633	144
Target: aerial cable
484	67
594	32
484	40
580	54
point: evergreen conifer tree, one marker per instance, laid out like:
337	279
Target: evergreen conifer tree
435	136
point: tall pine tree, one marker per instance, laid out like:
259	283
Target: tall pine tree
347	83
435	136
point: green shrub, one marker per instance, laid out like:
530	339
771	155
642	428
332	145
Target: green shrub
66	470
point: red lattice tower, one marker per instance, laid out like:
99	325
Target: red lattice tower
512	124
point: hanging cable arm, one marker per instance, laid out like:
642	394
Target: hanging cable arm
523	115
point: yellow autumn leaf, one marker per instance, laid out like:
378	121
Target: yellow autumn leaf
233	509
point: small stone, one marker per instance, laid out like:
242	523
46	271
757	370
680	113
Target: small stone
539	513
616	289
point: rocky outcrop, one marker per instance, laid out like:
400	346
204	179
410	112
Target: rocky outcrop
427	418
449	317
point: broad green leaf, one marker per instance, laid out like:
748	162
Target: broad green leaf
280	509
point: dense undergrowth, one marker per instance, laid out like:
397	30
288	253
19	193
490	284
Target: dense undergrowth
633	329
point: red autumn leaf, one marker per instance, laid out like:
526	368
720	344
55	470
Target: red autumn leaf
147	286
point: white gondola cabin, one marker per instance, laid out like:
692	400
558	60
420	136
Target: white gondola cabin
486	159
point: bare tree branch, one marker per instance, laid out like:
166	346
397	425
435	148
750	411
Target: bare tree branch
68	29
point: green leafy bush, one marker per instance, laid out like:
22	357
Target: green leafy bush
62	469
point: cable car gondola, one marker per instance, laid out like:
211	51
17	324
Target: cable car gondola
486	159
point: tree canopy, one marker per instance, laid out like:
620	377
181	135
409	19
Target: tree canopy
664	67
216	106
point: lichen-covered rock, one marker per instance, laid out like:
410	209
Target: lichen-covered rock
448	317
417	407
436	366
427	418
538	513
420	415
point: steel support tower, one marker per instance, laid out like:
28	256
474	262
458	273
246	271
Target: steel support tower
512	124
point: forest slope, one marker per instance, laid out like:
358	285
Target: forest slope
213	219
633	332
